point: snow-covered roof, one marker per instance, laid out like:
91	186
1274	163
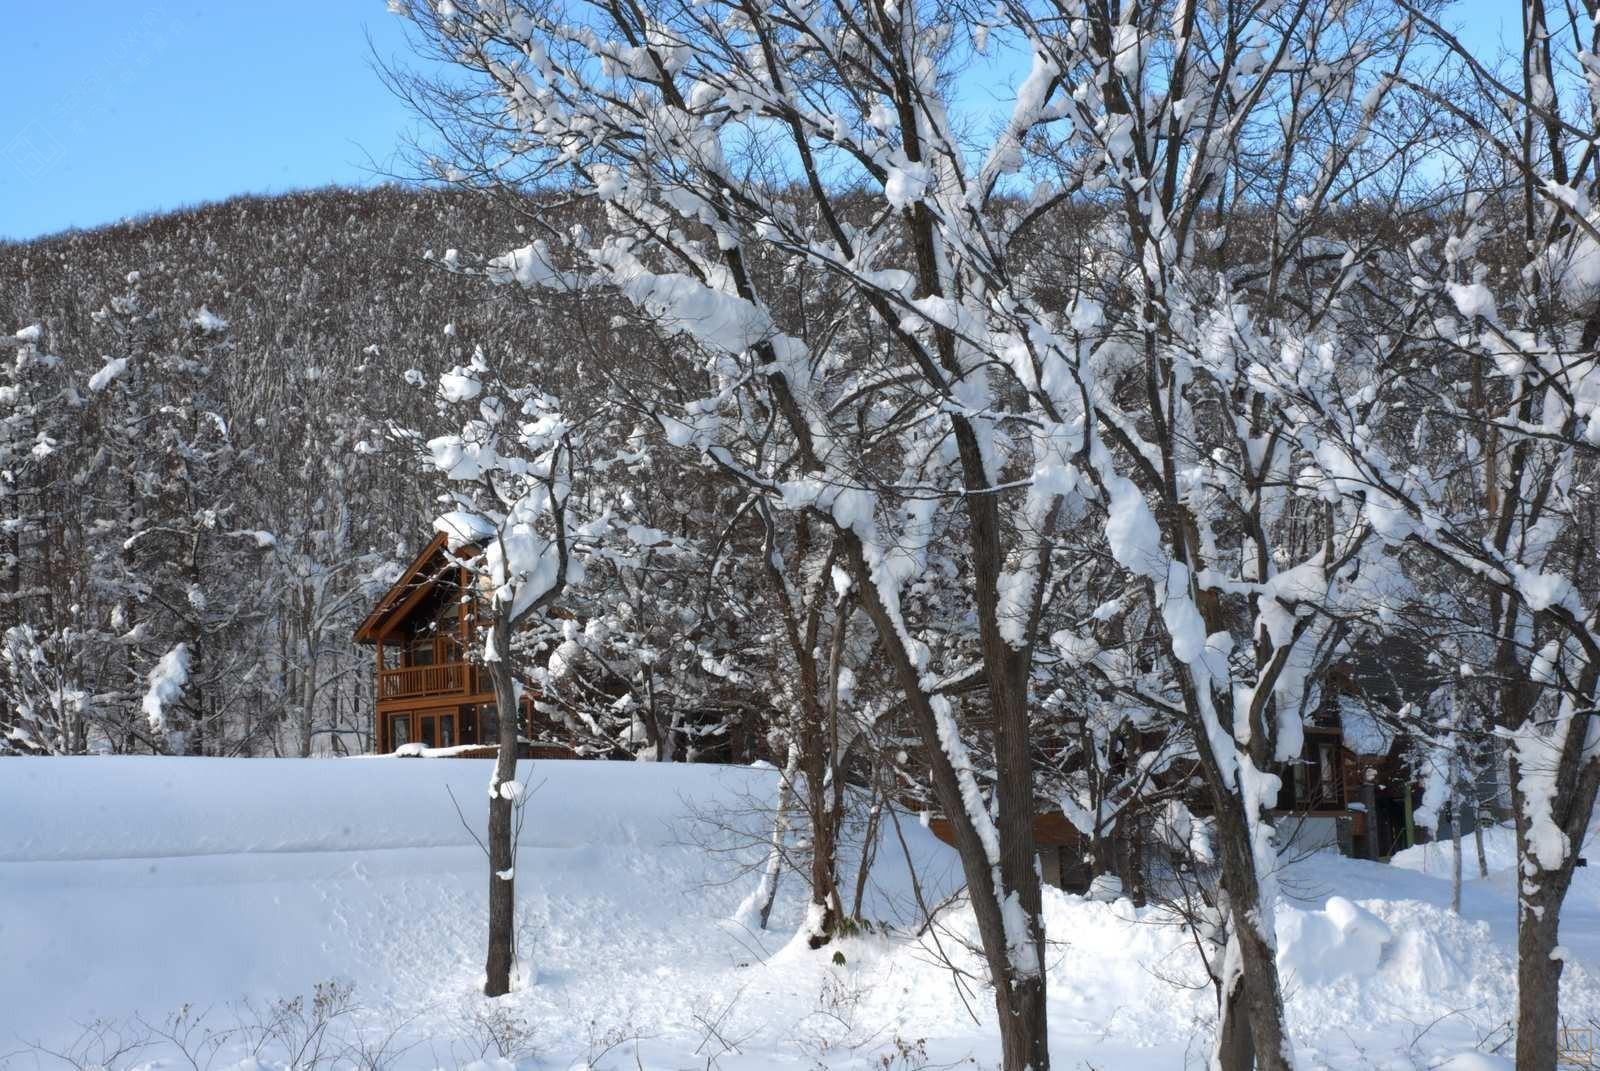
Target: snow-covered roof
461	528
1364	734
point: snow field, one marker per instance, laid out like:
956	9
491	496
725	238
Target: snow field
131	886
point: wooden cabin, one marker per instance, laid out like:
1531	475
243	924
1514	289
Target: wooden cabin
1310	808
431	694
427	689
1351	787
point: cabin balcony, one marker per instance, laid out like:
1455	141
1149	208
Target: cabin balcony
445	678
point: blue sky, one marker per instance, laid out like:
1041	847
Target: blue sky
111	108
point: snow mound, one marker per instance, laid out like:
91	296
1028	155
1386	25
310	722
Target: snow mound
1341	939
1106	888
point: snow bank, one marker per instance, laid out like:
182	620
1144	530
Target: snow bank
149	808
1434	858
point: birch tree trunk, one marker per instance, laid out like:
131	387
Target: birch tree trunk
780	832
1455	847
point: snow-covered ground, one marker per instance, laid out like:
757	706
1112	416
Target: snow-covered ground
131	887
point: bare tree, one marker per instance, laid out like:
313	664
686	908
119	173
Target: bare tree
510	470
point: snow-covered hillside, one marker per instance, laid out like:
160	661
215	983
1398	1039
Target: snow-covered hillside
130	887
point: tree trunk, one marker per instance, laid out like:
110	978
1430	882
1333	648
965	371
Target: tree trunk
1019	994
1477	839
823	918
1540	896
11	576
10	590
780	833
1539	975
502	853
869	840
1259	997
1024	1043
1541	891
1369	803
1235	1048
1128	852
309	686
1455	842
657	730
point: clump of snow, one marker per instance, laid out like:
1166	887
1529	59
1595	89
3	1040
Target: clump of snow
459	385
263	539
462	528
1472	300
1106	888
113	368
206	320
1574	264
529	267
905	184
167	679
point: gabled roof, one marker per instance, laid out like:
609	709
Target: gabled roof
412	587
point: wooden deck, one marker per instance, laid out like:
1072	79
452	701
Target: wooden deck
447	680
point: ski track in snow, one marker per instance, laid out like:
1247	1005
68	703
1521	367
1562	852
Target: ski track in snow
132	886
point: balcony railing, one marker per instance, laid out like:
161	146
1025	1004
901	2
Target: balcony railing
447	678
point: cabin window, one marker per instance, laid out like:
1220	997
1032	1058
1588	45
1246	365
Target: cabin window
1318	784
447	730
469	725
488	725
447	626
427	736
422	649
399	731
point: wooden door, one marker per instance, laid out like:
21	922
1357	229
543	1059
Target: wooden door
398	730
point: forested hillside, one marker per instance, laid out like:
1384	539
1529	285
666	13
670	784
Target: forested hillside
195	445
220	440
